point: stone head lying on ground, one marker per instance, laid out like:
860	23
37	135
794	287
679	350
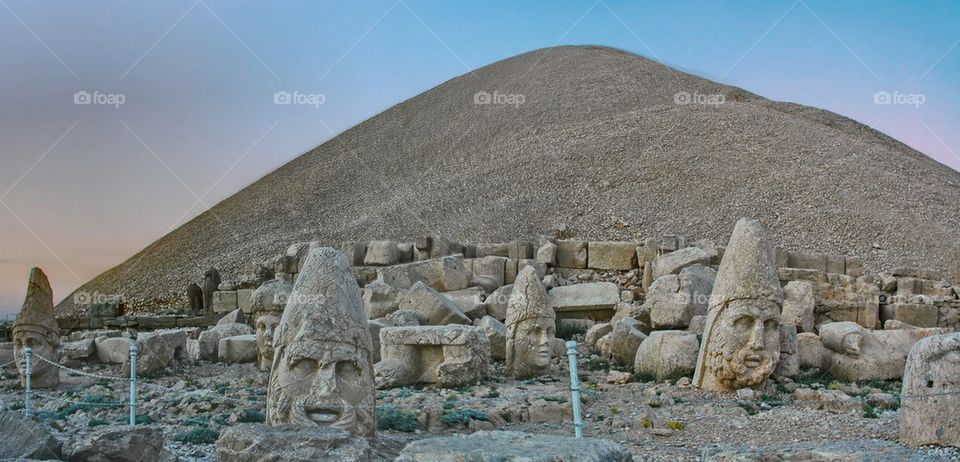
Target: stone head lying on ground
322	374
741	341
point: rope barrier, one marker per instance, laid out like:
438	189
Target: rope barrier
75	371
7	363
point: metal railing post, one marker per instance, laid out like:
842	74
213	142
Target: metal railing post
27	352
133	382
574	388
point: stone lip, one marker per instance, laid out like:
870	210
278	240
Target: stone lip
495	446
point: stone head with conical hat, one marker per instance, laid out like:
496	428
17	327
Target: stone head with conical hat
267	304
36	328
322	373
741	340
530	326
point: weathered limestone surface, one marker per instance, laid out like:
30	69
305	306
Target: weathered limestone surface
209	340
571	254
443	274
224	301
291	443
79	349
595	332
238	349
380	298
496	333
825	451
112	350
268	302
157	350
673	262
26	439
432	307
798	305
547	253
36	328
612	255
450	355
469	300
496	302
741	341
592	300
625	338
322	373
381	253
530	326
674	299
235	316
119	444
667	354
499	446
930	402
855	353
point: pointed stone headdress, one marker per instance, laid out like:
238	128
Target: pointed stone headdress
325	306
528	300
747	272
36	315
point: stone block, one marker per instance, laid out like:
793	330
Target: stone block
469	300
667	354
448	356
496	333
675	299
238	349
443	274
510	271
498	446
520	250
492	268
487	249
674	262
808	261
432	307
245	300
914	314
224	301
112	350
209	341
547	254
931	404
496	302
612	255
571	254
382	253
853	266
593	300
404	252
354	251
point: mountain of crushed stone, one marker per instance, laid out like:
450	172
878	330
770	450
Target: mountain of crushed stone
584	136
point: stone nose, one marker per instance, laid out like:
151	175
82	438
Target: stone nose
325	380
756	336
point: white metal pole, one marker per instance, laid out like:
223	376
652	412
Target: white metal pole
574	388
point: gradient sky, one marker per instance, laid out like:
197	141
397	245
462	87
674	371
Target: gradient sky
84	186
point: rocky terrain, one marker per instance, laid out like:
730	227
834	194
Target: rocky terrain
191	404
602	144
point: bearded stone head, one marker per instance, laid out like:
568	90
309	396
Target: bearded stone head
746	348
741	339
322	373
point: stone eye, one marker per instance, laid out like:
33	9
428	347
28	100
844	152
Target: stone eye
304	366
743	322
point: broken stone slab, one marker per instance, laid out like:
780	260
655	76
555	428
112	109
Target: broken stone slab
498	446
667	355
235	316
798	305
209	340
673	262
497	249
78	350
354	251
26	438
492	268
510	269
571	254
443	274
402	318
496	302
612	255
469	300
382	253
238	349
496	333
157	350
119	444
592	300
291	443
224	301
380	299
595	332
112	350
929	395
913	314
625	338
547	253
448	356
675	299
648	251
519	250
432	307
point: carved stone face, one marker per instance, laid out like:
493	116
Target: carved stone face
323	384
266	324
42	374
530	342
746	344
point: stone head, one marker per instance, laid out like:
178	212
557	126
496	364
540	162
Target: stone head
531	325
36	328
746	344
322	373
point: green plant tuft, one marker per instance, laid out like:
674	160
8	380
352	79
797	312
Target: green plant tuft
463	416
200	435
392	418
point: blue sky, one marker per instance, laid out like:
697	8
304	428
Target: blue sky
84	186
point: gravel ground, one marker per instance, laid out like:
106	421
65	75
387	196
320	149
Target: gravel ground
657	421
599	145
